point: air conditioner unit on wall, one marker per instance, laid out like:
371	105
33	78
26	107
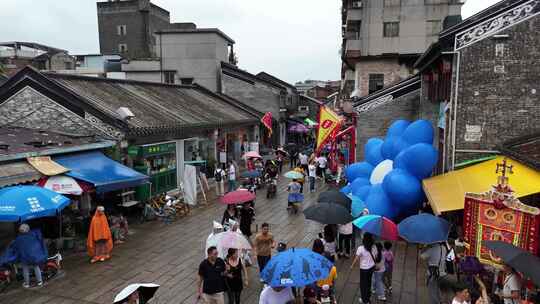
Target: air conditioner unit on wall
357	4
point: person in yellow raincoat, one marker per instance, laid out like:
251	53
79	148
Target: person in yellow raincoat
99	242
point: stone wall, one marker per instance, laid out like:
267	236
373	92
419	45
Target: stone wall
498	89
31	109
375	122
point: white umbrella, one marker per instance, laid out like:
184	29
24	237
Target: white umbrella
146	292
233	239
63	184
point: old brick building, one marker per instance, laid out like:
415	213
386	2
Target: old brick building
127	27
480	81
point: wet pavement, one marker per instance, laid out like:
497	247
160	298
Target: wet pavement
169	255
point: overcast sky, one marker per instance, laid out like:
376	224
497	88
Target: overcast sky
291	39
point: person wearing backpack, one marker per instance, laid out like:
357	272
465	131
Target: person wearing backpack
368	256
219	175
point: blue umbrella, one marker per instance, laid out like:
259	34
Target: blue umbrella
250	174
296	267
22	203
424	228
294	175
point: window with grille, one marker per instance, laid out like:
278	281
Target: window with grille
168	77
391	29
121	30
122	48
376	82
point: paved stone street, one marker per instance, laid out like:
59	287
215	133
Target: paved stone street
170	254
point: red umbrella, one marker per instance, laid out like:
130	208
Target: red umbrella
237	197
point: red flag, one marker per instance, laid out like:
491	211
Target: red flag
267	122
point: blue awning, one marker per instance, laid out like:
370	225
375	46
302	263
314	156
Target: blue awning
105	173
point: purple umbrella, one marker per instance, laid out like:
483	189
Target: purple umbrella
298	128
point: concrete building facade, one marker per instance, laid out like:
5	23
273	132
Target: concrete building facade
127	27
383	38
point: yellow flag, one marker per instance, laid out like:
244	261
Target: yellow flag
329	122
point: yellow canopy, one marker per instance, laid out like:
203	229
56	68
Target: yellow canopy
446	192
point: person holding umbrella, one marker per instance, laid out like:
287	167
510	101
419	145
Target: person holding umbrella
295	196
136	293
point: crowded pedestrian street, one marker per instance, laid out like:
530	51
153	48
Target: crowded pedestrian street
169	255
225	152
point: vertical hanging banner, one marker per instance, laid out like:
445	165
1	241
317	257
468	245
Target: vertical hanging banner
329	123
267	122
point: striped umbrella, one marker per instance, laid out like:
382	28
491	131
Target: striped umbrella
378	225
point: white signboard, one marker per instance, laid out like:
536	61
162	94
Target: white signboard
473	133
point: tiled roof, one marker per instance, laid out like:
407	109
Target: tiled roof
16	140
155	105
525	149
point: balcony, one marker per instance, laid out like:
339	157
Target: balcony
353	15
353	47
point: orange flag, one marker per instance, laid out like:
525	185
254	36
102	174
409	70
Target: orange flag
267	122
329	122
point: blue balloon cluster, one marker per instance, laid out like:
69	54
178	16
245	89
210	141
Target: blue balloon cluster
396	190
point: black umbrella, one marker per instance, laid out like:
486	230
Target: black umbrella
335	197
517	258
328	213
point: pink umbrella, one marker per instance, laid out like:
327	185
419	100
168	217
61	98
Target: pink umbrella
298	128
252	154
237	197
232	239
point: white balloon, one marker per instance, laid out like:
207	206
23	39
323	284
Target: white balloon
380	171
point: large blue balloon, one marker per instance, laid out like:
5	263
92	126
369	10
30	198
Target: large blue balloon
403	189
357	206
397	127
362	192
372	151
378	203
399	145
387	148
419	160
346	189
420	131
358	183
356	170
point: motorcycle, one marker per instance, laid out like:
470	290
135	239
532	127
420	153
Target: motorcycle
272	188
49	270
5	277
